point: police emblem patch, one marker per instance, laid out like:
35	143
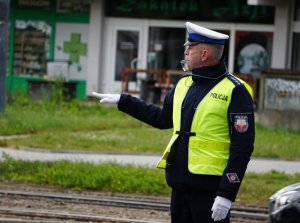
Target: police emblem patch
233	177
241	123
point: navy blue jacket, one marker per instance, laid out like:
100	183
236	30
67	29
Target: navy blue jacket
241	108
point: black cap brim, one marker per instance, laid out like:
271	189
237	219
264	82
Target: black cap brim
188	43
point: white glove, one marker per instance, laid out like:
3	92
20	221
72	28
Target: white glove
220	208
107	98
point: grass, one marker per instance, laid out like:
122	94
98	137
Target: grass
60	126
105	177
36	117
276	143
129	179
257	188
119	140
90	127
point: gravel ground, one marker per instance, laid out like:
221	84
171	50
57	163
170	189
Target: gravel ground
85	209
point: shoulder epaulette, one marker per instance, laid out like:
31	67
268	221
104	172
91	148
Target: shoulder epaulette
234	79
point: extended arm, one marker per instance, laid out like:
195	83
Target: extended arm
149	113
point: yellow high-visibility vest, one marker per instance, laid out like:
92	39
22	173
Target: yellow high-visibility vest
209	141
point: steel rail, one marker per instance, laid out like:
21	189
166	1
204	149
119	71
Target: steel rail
41	213
19	220
260	214
90	199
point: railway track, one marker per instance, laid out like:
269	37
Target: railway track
238	214
57	216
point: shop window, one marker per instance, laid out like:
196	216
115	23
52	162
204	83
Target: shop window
253	51
127	51
165	49
31	47
35	24
296	52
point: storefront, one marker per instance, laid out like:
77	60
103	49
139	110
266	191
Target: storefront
48	40
150	35
98	38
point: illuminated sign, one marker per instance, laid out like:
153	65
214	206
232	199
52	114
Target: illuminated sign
212	10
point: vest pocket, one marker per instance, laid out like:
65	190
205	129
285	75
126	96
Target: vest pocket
207	157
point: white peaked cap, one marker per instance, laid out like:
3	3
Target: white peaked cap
198	34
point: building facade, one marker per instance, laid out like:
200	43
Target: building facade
89	42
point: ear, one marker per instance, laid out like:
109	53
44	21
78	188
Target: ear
204	55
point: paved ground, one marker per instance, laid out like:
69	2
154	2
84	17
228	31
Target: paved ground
255	165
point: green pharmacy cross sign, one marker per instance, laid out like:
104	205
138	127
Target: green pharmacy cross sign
75	48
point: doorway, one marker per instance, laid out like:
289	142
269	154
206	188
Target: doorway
124	47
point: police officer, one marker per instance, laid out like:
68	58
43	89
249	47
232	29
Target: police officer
211	113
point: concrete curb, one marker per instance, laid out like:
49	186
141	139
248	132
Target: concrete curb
256	165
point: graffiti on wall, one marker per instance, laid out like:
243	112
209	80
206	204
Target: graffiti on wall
282	94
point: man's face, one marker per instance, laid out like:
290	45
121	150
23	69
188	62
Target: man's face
194	56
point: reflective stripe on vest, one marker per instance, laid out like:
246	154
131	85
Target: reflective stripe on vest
209	148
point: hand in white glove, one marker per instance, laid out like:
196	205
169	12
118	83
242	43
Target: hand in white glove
220	208
107	98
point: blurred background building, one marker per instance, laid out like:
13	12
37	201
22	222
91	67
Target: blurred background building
89	42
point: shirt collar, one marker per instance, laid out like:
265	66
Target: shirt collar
210	72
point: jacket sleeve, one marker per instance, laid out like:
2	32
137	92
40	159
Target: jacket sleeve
242	134
151	114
